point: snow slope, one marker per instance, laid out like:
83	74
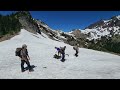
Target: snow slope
89	64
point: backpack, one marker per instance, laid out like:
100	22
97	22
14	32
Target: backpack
62	50
18	52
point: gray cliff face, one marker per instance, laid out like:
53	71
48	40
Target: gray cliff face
27	25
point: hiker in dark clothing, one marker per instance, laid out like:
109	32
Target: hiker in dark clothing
62	51
25	58
76	48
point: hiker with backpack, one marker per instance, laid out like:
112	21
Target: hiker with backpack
23	54
76	48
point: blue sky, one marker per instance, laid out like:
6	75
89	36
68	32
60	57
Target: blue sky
68	20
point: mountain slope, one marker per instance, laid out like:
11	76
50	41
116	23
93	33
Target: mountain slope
89	64
101	28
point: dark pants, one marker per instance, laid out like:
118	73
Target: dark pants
22	64
63	57
76	54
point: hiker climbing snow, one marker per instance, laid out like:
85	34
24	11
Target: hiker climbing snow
62	51
76	48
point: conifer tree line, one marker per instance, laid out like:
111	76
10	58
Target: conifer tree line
109	44
9	24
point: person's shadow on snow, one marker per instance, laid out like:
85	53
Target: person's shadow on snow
32	67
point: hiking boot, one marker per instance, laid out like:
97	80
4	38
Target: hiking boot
76	55
62	60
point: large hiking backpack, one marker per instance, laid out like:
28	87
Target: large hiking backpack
18	52
62	50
